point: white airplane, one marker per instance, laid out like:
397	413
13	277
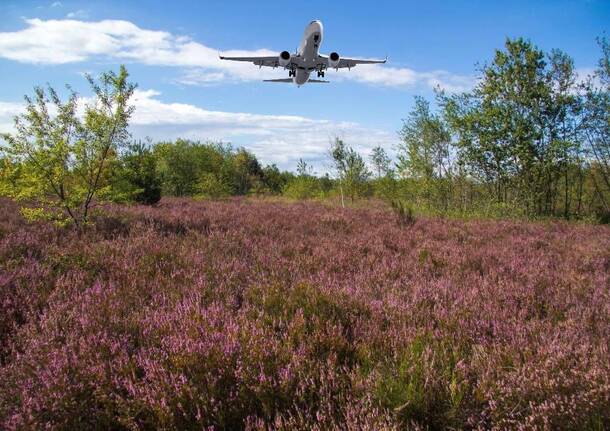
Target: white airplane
306	60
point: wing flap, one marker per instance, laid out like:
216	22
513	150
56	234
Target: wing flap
278	80
259	61
349	62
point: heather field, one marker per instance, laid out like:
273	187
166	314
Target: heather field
245	314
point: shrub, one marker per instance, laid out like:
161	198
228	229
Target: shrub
403	212
303	187
231	314
211	186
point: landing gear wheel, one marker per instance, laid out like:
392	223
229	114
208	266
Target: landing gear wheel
320	74
291	73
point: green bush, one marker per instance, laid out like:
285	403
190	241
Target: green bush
138	174
210	186
303	187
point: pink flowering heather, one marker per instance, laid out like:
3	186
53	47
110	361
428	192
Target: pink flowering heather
256	315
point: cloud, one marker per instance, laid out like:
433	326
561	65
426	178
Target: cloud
404	77
77	14
280	139
56	4
588	75
72	40
7	111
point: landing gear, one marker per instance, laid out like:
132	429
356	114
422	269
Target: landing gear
320	74
291	73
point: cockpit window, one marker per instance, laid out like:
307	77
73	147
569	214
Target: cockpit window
313	22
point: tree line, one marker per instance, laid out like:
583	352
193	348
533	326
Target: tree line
530	139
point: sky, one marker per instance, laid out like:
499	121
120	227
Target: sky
171	51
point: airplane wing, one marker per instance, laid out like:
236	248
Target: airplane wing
259	61
350	62
290	80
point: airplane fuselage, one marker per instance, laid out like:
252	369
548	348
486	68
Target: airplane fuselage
309	50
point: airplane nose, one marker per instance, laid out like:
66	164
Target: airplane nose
316	24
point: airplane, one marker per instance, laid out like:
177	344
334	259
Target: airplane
306	59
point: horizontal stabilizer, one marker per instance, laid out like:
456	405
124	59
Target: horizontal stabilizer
290	80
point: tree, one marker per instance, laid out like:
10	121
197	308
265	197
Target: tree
338	154
179	167
385	183
596	129
303	169
67	158
561	118
351	170
516	129
274	179
424	153
424	150
381	161
247	170
356	175
139	170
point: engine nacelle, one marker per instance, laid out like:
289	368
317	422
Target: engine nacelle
284	59
333	60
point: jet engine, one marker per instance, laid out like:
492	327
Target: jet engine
284	59
333	60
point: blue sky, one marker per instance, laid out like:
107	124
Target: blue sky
170	49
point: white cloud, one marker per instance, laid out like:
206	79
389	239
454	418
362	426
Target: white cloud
7	111
404	77
587	74
77	14
56	4
71	40
280	139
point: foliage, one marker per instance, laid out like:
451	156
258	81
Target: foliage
351	169
211	186
303	187
597	131
303	168
274	179
64	159
517	129
424	150
137	177
381	162
424	155
190	168
529	141
404	213
244	314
